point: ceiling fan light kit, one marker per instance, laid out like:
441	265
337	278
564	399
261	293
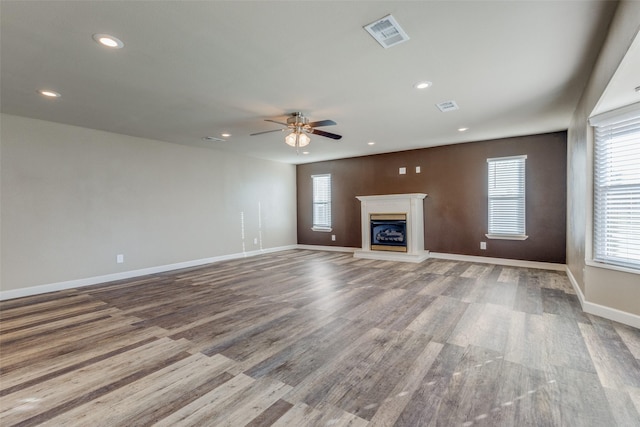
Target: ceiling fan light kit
297	140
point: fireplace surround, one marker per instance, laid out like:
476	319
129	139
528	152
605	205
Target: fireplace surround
404	219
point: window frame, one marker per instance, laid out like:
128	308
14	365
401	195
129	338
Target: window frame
595	258
520	198
316	224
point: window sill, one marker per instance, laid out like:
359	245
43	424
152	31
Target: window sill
598	264
322	229
507	236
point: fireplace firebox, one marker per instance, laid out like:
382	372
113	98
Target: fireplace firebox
388	232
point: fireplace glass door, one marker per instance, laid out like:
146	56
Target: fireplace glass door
389	232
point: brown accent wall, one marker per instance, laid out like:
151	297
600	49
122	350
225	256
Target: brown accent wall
455	179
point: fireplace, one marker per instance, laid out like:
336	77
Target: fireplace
388	232
392	227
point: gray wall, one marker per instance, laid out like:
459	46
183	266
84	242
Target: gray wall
613	289
73	198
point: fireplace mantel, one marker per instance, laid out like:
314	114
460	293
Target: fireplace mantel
409	204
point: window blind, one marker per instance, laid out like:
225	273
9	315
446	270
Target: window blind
616	185
321	201
506	191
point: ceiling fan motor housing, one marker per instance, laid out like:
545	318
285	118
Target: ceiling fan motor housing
298	122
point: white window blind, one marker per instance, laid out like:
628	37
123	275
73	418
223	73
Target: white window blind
616	185
321	202
506	190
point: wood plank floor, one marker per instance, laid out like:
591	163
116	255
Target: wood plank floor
307	338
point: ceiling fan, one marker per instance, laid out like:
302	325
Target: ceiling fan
300	126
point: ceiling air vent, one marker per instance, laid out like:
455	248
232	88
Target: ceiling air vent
387	32
213	138
447	106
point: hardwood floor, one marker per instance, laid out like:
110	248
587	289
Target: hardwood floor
312	338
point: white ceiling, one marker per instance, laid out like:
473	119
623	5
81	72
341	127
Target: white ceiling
621	90
193	69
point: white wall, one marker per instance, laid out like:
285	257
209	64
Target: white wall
72	198
607	292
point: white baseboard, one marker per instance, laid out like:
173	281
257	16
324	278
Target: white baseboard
602	310
455	257
500	261
70	284
327	248
576	287
612	314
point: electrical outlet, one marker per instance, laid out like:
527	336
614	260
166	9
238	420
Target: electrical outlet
417	169
333	237
255	240
120	258
402	171
483	245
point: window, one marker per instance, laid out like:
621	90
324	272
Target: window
616	188
321	202
506	198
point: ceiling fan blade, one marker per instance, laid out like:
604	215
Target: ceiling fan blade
322	123
325	134
267	131
273	121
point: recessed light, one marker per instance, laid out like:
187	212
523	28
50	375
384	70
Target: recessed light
305	152
49	93
371	143
422	85
225	135
108	41
463	129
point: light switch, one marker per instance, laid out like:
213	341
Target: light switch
403	171
417	169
